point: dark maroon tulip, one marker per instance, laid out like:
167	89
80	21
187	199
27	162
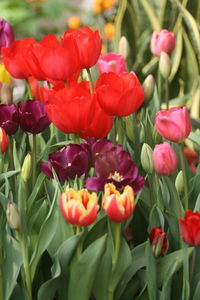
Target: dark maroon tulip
32	116
6	34
115	166
9	119
68	162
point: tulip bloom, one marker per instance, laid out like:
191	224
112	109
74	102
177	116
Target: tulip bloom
71	108
158	240
79	207
68	162
6	34
190	228
9	118
32	116
164	159
14	58
118	207
164	41
111	62
88	43
173	124
192	159
3	140
119	95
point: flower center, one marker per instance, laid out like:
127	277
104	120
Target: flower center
116	176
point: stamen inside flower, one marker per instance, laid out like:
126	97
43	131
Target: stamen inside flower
116	176
69	164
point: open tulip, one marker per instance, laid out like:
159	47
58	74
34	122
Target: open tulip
79	207
111	62
118	207
119	95
88	43
9	119
164	159
3	140
6	34
164	41
158	240
190	228
173	124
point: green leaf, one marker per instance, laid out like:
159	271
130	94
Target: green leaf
81	281
197	292
151	272
166	289
8	174
37	188
150	14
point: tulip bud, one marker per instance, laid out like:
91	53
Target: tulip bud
158	240
147	158
12	215
123	47
165	65
6	34
148	88
3	140
179	183
26	168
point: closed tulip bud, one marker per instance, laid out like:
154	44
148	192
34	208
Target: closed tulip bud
164	41
13	216
179	183
6	34
158	240
164	159
26	168
147	158
148	88
123	47
165	65
3	140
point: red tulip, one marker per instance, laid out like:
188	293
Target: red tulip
101	123
118	207
164	159
71	108
3	140
14	58
164	41
88	43
159	241
79	207
119	95
173	124
192	159
190	228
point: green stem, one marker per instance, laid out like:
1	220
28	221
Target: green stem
1	262
91	81
1	285
183	167
29	90
34	159
185	268
175	196
76	138
151	189
159	89
120	136
167	93
12	165
192	269
27	275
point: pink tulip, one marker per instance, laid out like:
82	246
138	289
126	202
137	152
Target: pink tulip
164	41
173	124
164	159
111	62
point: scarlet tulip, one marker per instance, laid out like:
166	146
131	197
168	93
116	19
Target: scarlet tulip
159	241
190	228
119	95
71	108
3	140
118	207
164	41
164	159
79	207
14	58
173	124
88	43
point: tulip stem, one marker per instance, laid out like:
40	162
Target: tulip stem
167	93
29	92
183	167
175	195
90	80
120	136
34	159
1	261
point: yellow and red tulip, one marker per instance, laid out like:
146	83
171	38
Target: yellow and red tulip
79	207
118	207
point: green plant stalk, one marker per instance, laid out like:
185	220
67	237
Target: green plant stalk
151	189
192	268
118	22
167	93
185	267
183	167
12	165
27	274
34	159
1	261
1	285
120	136
90	80
29	92
175	195
115	255
159	78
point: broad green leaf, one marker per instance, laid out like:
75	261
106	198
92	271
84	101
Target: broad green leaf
197	292
176	55
81	281
37	188
8	174
195	137
151	15
166	289
151	272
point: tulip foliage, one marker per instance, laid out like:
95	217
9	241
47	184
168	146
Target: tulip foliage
99	173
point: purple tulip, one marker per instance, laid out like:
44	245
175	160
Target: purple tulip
9	119
68	162
6	34
32	116
114	166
